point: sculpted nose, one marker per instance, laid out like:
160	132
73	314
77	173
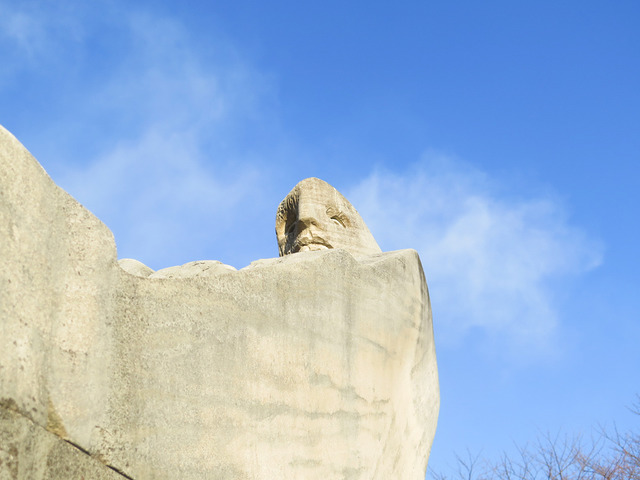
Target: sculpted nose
305	228
308	217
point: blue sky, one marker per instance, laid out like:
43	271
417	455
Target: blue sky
499	139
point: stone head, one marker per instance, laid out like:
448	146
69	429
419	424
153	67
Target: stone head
315	216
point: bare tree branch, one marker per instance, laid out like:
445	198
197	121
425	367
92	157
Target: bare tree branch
608	455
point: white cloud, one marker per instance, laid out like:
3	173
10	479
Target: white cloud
163	203
179	180
491	260
175	181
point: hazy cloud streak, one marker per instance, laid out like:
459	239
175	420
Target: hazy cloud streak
174	181
491	261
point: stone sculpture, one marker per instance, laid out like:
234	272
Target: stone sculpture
315	216
318	365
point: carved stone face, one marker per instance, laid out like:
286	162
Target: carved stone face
315	216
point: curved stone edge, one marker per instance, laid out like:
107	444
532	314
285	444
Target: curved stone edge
58	269
198	268
135	267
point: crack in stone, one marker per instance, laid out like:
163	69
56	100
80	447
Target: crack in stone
10	405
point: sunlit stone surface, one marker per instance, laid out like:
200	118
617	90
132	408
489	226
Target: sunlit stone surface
318	365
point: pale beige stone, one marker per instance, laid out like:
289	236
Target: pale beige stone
200	268
315	216
29	452
318	365
135	267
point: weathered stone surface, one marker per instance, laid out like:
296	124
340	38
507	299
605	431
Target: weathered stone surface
58	290
200	268
135	267
28	451
316	365
315	216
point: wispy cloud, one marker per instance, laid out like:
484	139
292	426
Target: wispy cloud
24	29
491	260
181	182
176	182
162	118
165	78
163	203
31	30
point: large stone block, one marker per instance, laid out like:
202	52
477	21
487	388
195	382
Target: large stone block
316	365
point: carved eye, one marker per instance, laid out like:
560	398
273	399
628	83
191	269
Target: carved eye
338	217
